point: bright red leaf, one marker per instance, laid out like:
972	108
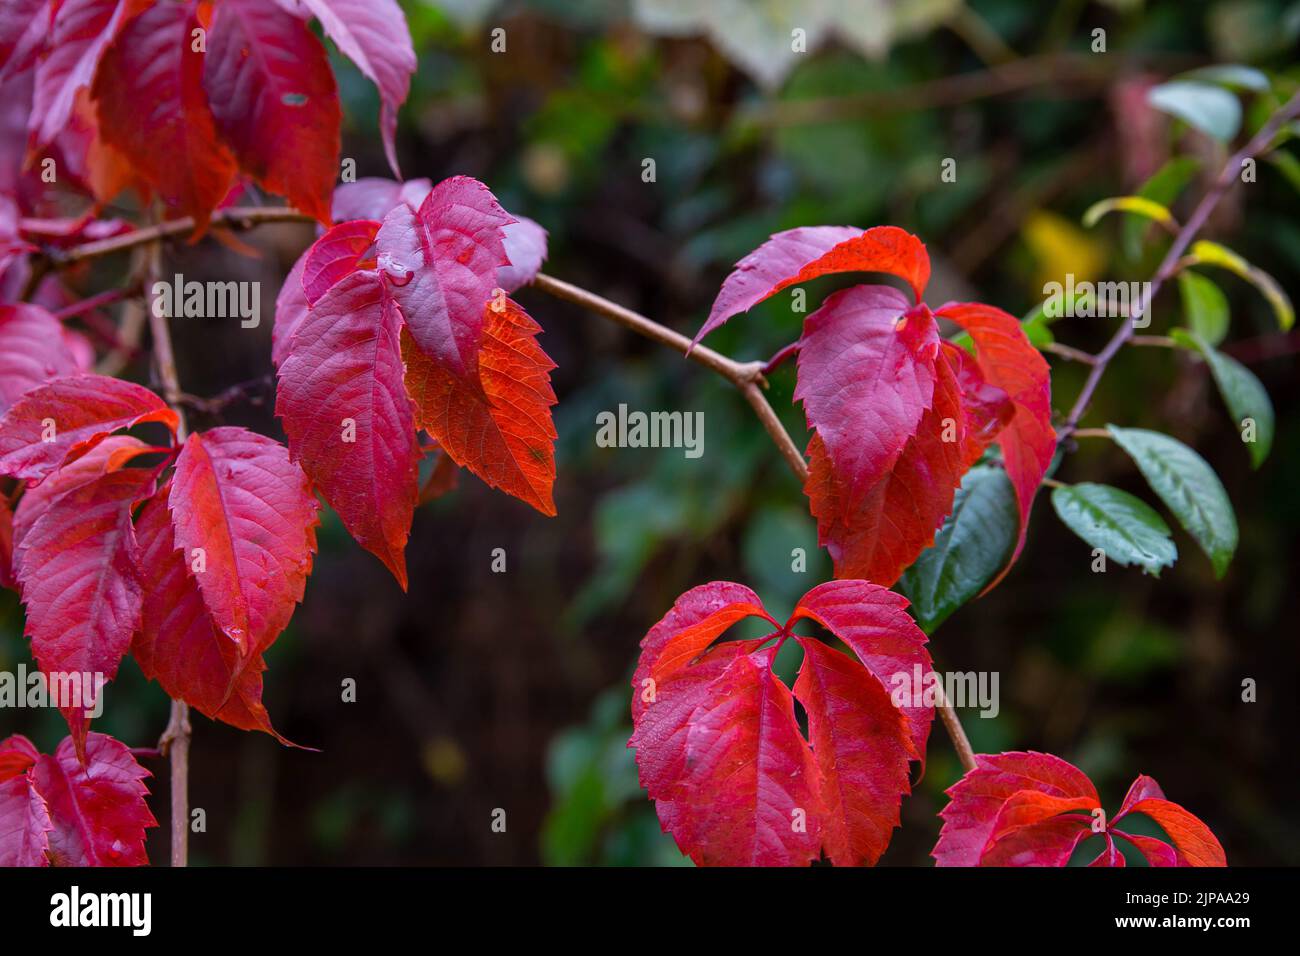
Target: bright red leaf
1033	809
154	110
345	409
273	94
1011	363
335	254
719	748
244	519
24	818
68	416
97	807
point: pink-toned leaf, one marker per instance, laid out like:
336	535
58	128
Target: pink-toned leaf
32	351
349	421
75	413
335	254
24	821
178	643
78	570
24	27
97	806
17	755
1011	363
244	518
372	196
861	744
441	262
6	545
987	409
526	249
82	31
273	94
153	110
502	429
798	255
291	308
373	35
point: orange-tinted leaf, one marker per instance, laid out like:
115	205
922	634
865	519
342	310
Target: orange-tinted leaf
504	434
154	111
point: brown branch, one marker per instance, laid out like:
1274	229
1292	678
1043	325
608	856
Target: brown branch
1170	264
748	378
175	741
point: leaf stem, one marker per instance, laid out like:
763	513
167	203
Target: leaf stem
748	377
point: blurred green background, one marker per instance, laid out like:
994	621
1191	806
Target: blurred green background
480	691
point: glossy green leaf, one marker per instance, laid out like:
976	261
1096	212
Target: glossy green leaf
1234	76
1126	528
969	550
1205	307
1189	488
1247	400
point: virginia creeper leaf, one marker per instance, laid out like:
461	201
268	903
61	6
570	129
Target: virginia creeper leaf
97	806
503	433
24	817
273	94
1189	488
153	109
68	416
335	254
347	415
24	26
244	519
32	351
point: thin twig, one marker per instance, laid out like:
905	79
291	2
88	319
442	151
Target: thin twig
175	741
748	378
1070	353
1170	264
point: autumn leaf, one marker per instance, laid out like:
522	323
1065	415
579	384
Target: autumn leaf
502	433
1034	809
68	416
275	102
32	351
24	817
154	110
350	423
719	748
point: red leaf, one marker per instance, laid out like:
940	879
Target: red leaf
334	255
798	255
6	544
373	35
97	808
442	263
109	455
178	643
503	433
78	570
860	742
273	95
346	412
24	26
83	29
719	749
32	351
153	109
987	408
1033	809
237	499
76	413
1011	363
24	818
290	309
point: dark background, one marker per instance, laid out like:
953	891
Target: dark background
479	691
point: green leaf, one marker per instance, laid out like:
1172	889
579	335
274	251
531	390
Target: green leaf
1205	307
970	549
1235	76
1126	528
1188	487
1210	109
1163	187
1137	205
1214	254
1247	400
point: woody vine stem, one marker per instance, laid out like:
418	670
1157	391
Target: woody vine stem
749	378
